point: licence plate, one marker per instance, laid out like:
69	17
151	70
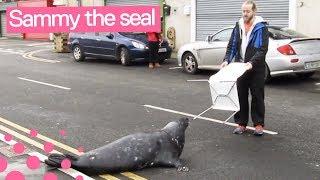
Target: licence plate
162	50
312	65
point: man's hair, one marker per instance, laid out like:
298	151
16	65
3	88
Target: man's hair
251	2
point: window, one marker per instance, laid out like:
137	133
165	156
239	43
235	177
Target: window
222	35
284	33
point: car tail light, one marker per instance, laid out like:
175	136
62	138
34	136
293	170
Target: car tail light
286	50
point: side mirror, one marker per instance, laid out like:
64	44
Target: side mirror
208	38
110	36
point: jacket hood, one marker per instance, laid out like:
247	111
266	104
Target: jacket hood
257	19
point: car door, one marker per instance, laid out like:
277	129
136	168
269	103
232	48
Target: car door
107	44
218	44
89	43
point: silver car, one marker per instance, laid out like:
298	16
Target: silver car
289	52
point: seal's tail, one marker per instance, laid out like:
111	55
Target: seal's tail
55	159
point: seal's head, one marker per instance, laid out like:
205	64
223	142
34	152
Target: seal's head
176	131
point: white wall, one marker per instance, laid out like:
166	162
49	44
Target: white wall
308	13
179	21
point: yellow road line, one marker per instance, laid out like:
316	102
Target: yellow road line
38	145
133	176
44	138
109	177
71	172
30	56
24	138
69	149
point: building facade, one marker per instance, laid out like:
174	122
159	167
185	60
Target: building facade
192	20
207	17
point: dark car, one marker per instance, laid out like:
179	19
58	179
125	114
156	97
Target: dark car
124	47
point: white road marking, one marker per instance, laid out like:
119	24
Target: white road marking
198	80
39	44
61	87
317	84
10	52
205	118
178	67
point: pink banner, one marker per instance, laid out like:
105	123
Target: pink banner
83	19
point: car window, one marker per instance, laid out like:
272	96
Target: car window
104	33
138	36
222	35
284	33
90	34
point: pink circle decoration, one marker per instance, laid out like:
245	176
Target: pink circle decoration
3	164
48	147
33	162
66	164
50	176
79	177
33	133
15	175
62	132
18	148
8	137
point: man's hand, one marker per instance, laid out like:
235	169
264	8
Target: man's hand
224	64
248	66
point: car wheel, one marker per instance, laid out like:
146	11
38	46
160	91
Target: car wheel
124	56
77	53
305	75
189	63
267	76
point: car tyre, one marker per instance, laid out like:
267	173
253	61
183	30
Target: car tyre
305	75
189	63
78	53
267	76
124	56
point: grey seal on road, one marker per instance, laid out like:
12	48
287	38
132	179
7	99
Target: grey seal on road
132	152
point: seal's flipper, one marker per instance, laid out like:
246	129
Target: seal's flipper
55	160
183	169
72	157
180	166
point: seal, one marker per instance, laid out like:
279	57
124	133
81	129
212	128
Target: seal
133	152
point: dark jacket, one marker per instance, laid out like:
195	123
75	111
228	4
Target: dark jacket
256	50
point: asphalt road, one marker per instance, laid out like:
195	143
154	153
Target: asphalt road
105	102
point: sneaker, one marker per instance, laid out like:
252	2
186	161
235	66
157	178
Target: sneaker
239	130
258	130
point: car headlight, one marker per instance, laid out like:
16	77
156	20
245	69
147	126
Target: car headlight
138	45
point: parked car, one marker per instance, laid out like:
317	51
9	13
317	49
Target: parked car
124	47
289	52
